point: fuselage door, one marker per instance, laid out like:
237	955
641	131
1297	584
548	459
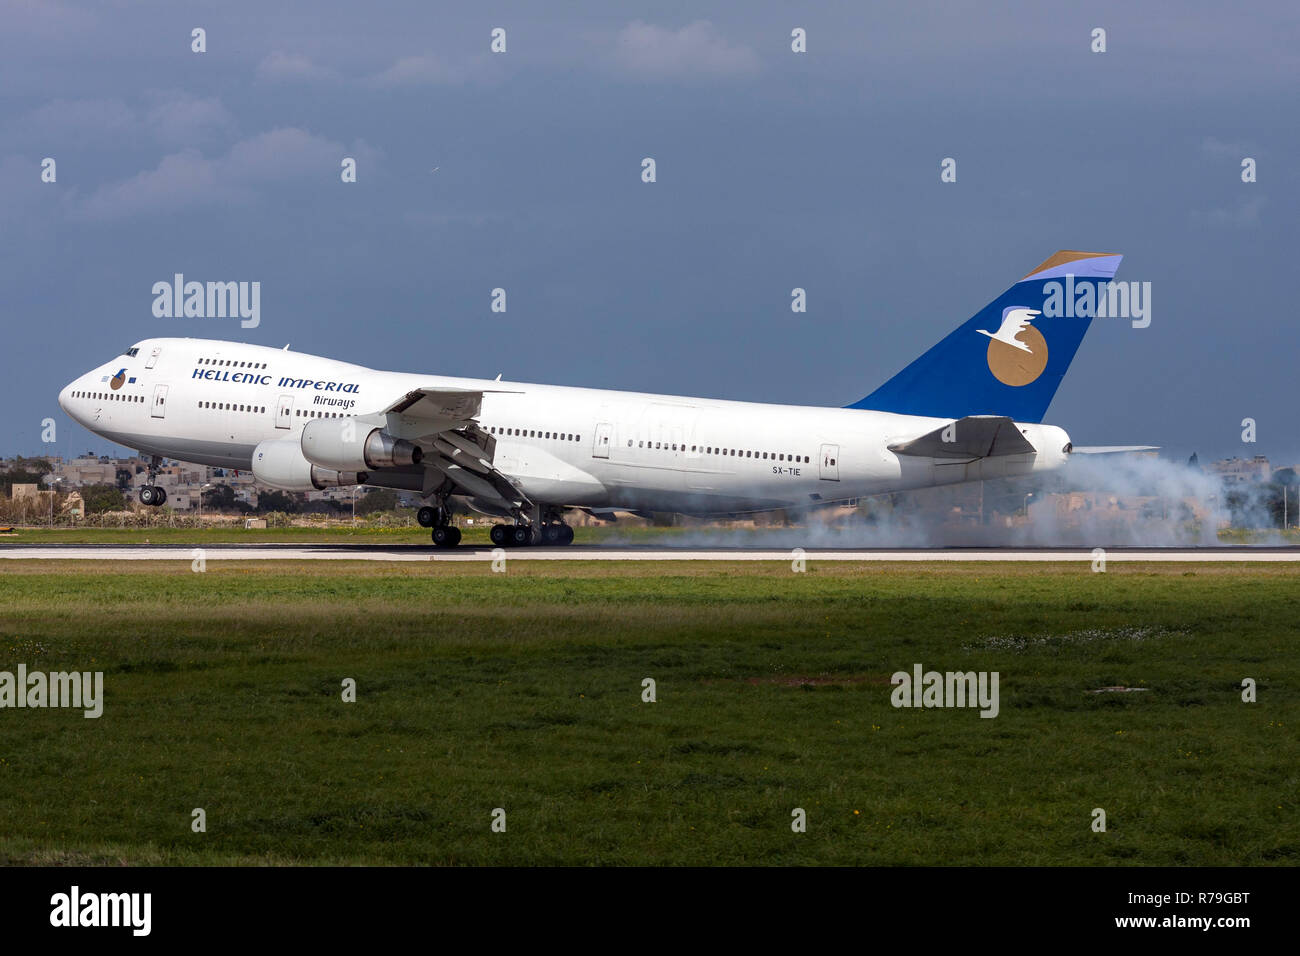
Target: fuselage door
604	434
284	412
830	465
159	409
153	357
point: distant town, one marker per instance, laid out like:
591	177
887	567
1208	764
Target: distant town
1242	492
96	484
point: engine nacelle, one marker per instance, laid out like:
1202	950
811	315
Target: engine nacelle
345	444
278	462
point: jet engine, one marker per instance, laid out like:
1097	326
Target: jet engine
346	444
278	462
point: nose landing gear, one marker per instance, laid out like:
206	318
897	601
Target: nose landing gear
152	495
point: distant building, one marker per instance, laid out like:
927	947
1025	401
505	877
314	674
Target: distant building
88	470
1237	471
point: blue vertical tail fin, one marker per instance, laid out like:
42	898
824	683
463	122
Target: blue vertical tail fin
1010	357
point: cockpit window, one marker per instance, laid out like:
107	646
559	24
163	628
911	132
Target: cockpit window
132	352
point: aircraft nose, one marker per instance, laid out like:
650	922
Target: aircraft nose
64	396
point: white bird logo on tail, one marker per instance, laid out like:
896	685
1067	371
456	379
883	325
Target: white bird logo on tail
1014	322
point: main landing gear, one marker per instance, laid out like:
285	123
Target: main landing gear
150	494
438	517
543	526
522	535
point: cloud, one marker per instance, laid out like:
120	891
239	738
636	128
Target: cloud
99	122
292	67
1217	149
173	118
187	178
417	71
176	118
282	154
697	49
21	189
180	180
1243	214
47	19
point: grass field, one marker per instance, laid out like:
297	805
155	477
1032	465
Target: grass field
522	690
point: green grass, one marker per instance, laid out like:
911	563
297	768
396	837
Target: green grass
522	690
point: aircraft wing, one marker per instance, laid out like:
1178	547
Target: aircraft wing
444	422
976	436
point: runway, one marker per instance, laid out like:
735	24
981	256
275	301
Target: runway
386	552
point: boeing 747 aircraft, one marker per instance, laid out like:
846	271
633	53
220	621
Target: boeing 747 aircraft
970	408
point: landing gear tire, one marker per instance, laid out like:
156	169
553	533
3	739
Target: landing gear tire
556	534
427	517
152	495
500	535
521	536
446	536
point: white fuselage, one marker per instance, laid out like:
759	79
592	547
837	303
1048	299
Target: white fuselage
212	402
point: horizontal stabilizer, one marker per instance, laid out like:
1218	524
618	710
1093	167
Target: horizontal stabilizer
976	436
1109	449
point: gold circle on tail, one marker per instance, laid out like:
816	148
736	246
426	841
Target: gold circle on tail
1011	366
116	382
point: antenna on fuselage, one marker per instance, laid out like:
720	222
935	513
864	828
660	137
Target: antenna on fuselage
286	347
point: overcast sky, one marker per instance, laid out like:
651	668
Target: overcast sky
775	170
